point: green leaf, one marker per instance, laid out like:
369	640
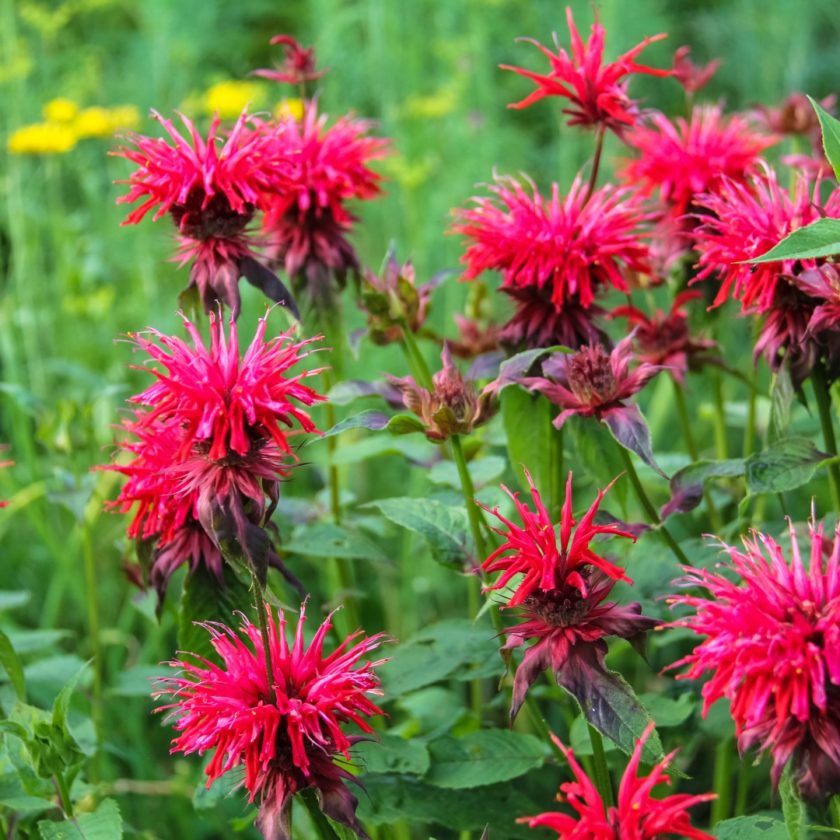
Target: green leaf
204	599
325	539
12	666
787	464
595	450
532	441
781	399
412	448
755	827
405	424
138	681
666	711
392	754
793	808
105	823
482	471
819	239
444	528
11	599
483	758
830	135
376	421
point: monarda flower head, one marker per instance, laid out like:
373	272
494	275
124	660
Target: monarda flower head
772	648
692	76
298	67
212	194
664	340
307	224
637	814
562	591
286	732
555	254
597	93
451	407
683	159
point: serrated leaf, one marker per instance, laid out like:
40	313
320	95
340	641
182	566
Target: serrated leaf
12	666
755	827
105	823
325	539
392	754
793	808
819	239
204	599
830	136
781	399
687	484
630	430
483	758
444	528
787	464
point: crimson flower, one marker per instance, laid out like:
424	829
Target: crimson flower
692	76
597	93
298	65
307	223
637	816
683	159
562	592
664	340
554	253
823	284
212	194
772	647
795	115
285	732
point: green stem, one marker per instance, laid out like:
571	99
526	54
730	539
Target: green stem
823	397
416	361
650	510
468	492
722	780
596	163
542	727
92	599
319	821
262	617
64	795
749	430
743	790
602	772
720	417
834	811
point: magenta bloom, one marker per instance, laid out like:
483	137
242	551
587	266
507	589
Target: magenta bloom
287	733
683	159
637	815
298	65
664	340
822	284
212	194
562	593
745	220
692	76
597	93
558	252
307	224
772	647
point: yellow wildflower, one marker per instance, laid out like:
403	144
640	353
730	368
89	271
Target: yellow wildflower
60	110
41	139
289	108
229	99
124	116
93	122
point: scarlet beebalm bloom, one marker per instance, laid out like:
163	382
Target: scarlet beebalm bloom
212	195
680	160
823	285
224	402
307	224
298	65
664	340
692	76
637	815
744	221
795	115
597	92
286	734
452	407
772	648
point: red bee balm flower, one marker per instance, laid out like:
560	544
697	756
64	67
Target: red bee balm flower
563	250
307	224
287	733
212	195
562	592
597	94
684	159
772	648
638	816
298	65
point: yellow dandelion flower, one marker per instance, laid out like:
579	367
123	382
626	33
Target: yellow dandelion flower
229	99
60	110
41	139
289	108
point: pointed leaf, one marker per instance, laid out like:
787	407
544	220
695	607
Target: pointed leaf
830	136
793	808
781	399
373	420
105	823
819	239
629	428
787	464
325	539
263	278
12	666
687	484
392	754
756	827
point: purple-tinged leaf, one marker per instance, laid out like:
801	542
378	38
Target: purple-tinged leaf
266	280
604	517
485	366
687	484
629	428
512	370
374	421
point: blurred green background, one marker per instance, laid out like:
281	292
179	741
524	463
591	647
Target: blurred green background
72	280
